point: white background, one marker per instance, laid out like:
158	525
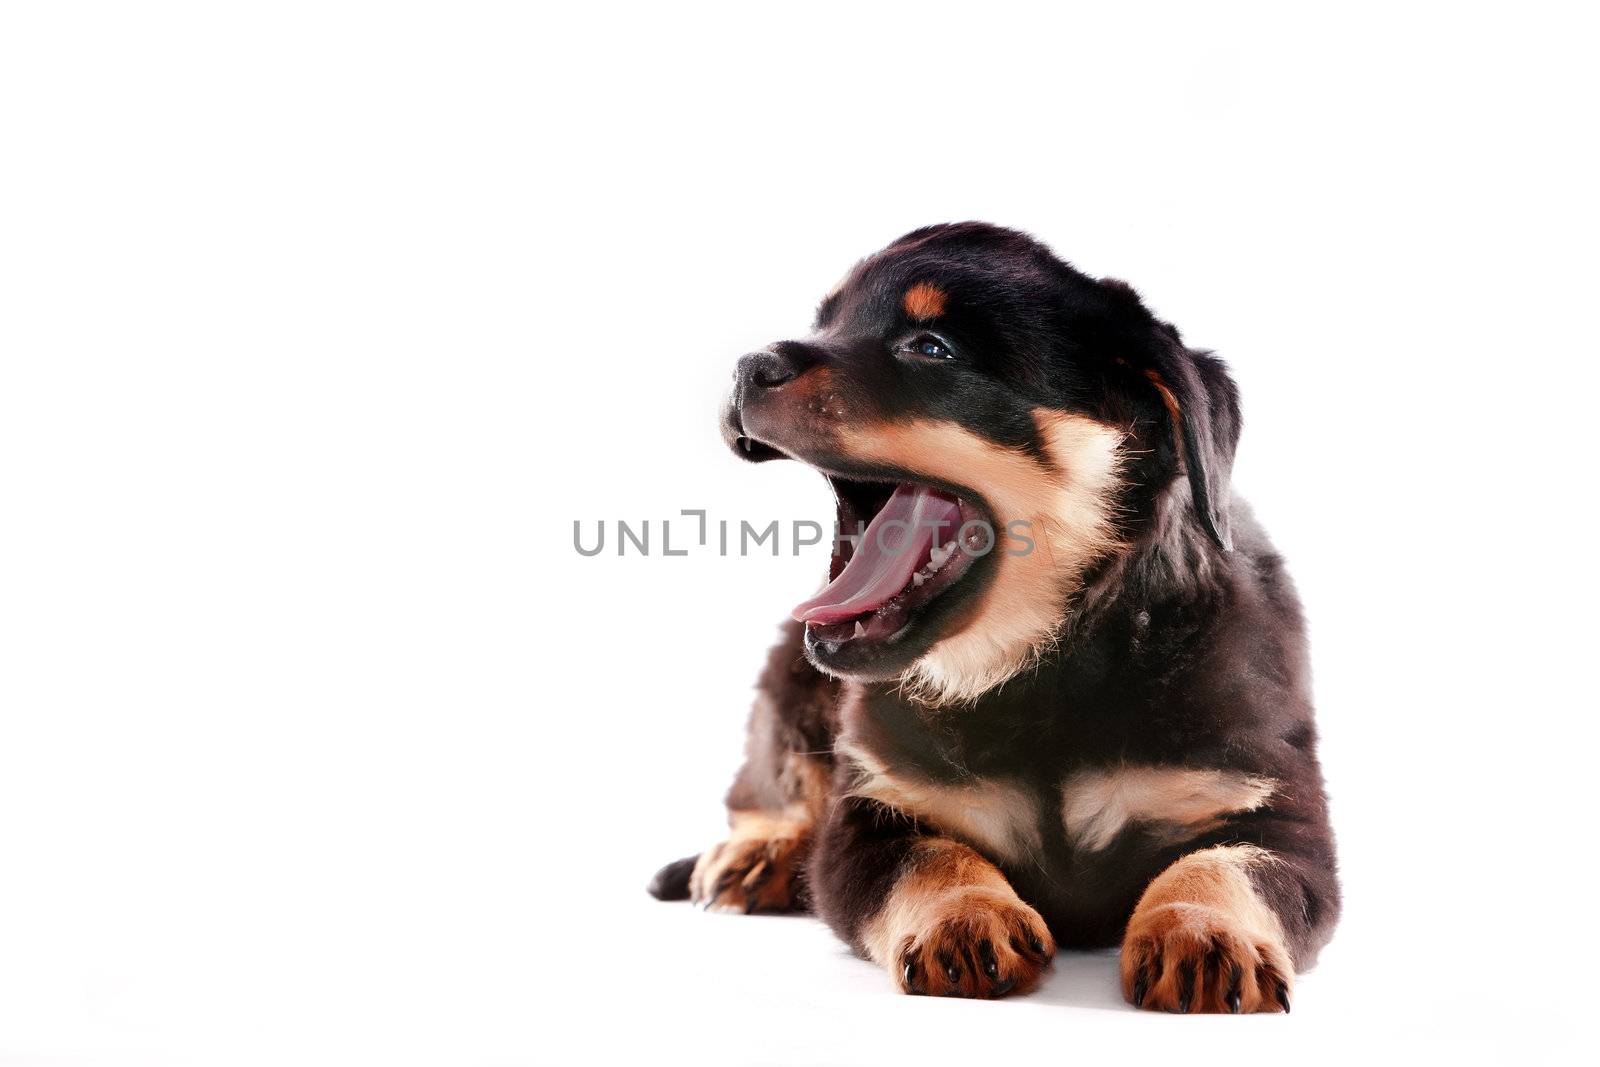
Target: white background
320	324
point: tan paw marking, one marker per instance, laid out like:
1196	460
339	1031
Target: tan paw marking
756	869
1190	958
1201	940
976	943
952	926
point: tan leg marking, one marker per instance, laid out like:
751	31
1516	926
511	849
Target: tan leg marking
953	926
758	867
1201	939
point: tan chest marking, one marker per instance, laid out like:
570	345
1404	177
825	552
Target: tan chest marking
1097	805
994	817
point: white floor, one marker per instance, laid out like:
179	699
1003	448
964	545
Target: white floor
711	988
600	973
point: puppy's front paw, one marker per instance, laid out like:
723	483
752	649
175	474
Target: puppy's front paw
974	943
757	869
1191	957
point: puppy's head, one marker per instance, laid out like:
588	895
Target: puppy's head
994	425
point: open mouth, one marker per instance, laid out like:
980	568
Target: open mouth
900	546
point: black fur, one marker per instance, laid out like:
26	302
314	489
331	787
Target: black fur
1184	649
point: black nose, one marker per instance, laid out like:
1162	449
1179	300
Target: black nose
766	370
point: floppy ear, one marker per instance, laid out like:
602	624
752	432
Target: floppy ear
1200	399
1203	403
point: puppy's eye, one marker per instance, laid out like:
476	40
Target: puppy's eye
929	347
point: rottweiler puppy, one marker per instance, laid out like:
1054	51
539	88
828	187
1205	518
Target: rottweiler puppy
1055	690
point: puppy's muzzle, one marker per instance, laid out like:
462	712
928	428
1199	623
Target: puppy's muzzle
759	378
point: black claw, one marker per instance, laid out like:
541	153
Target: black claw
909	971
1000	989
951	971
1185	986
1283	997
1234	978
1036	944
1139	989
991	966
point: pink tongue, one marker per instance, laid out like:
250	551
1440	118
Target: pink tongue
893	545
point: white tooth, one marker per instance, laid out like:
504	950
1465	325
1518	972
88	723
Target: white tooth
917	578
937	557
861	631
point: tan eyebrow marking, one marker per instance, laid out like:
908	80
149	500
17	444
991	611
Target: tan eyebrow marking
925	301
